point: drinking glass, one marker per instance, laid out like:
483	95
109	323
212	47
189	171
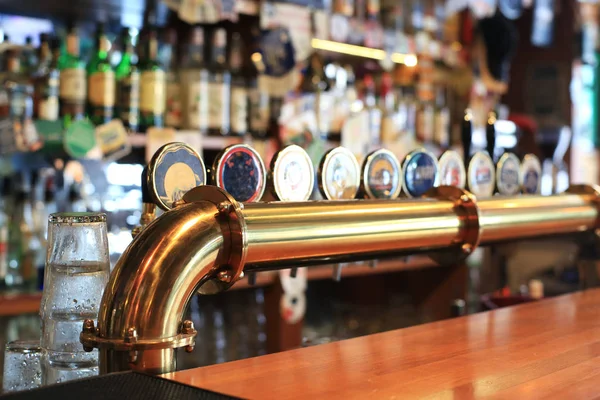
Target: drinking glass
22	369
77	269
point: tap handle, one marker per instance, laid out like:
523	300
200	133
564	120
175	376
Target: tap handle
466	134
490	134
146	198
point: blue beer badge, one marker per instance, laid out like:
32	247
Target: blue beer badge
507	174
339	174
292	174
381	175
174	169
480	175
421	171
239	170
531	174
452	170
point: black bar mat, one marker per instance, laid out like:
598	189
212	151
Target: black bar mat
119	386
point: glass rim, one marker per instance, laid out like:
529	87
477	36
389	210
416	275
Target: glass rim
24	346
76	218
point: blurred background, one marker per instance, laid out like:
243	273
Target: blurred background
362	74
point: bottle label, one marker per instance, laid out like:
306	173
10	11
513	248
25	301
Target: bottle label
47	98
72	84
173	112
239	110
153	92
259	110
129	99
102	89
197	102
388	129
18	105
218	105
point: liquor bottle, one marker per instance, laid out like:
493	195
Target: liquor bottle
128	83
73	85
45	80
425	121
314	81
344	94
20	97
219	86
239	94
173	106
373	111
258	113
29	58
411	112
101	81
442	120
152	84
194	77
19	233
373	9
389	132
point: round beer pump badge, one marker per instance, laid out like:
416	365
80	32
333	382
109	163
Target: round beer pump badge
480	175
420	173
239	170
174	169
292	174
531	174
452	170
507	174
339	175
381	175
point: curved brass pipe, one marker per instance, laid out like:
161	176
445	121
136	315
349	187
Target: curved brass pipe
153	281
209	240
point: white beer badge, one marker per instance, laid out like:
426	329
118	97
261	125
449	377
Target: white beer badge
531	174
507	175
480	175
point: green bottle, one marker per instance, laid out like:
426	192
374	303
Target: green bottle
128	83
72	88
152	84
101	81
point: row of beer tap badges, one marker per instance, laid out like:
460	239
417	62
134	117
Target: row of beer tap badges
176	168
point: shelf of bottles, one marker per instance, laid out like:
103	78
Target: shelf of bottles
360	73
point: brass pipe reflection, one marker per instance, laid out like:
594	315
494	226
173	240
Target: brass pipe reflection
285	234
152	283
521	217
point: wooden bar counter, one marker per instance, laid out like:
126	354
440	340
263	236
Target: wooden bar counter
546	349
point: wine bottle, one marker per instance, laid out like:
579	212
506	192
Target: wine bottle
101	81
72	88
152	84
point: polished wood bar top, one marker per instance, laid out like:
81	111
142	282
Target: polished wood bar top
546	349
